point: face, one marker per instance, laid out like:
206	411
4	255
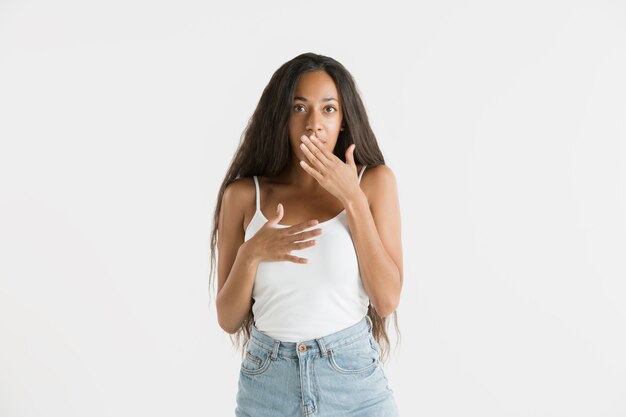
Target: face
315	109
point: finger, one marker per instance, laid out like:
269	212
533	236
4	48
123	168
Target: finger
311	155
301	226
280	212
314	173
296	259
350	155
315	147
303	245
323	150
305	235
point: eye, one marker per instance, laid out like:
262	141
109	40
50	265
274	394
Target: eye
296	106
331	107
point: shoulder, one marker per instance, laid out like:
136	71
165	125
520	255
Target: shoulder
239	196
240	189
376	180
379	173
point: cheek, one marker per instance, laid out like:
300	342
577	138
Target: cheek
336	128
294	130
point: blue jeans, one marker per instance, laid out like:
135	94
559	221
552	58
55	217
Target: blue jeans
333	376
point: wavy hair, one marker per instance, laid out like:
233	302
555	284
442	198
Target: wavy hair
264	150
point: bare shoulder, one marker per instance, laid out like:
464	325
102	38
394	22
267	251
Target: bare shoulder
376	180
240	189
379	172
239	196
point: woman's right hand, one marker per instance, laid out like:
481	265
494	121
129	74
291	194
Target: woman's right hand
275	244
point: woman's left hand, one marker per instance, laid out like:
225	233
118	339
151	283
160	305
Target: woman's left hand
338	178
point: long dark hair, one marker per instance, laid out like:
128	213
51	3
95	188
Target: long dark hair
264	150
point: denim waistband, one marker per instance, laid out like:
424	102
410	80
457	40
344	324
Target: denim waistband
318	346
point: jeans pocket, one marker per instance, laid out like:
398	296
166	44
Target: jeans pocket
354	358
256	360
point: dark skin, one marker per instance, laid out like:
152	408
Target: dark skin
315	186
316	182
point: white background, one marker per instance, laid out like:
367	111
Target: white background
504	123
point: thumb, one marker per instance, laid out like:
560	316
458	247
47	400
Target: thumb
280	211
350	155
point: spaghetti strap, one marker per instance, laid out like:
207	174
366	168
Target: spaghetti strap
258	193
362	171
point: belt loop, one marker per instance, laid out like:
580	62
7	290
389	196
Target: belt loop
275	350
369	320
320	342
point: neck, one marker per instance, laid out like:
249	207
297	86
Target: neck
296	176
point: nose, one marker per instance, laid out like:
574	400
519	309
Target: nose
313	123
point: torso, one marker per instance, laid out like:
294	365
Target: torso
298	207
294	301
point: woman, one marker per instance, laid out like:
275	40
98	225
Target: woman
313	321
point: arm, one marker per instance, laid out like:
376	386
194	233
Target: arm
376	233
236	268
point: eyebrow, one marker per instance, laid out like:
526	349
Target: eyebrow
324	99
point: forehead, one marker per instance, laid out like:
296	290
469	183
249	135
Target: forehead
316	84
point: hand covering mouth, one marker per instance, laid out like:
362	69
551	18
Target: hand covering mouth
320	139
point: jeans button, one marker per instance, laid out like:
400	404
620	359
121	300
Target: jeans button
302	347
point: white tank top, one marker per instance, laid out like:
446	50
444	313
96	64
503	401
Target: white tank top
297	302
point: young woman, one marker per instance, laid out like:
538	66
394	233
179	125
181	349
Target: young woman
310	255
